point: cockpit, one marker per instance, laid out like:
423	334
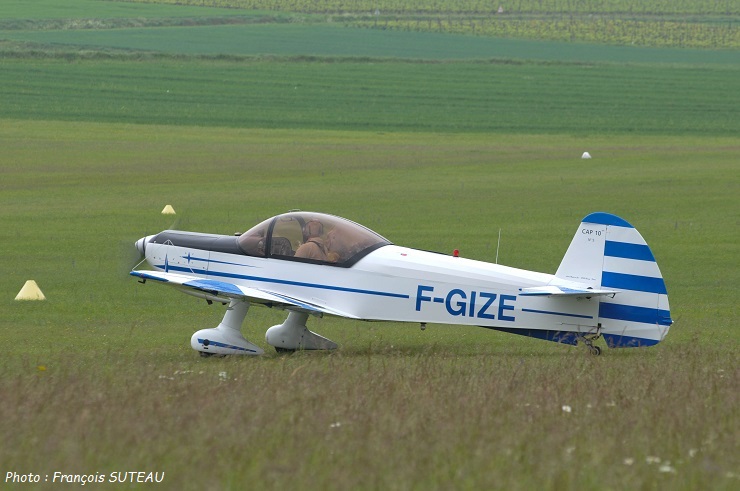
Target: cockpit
311	237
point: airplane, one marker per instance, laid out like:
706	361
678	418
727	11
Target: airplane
314	264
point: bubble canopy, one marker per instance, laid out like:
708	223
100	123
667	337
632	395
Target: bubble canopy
311	237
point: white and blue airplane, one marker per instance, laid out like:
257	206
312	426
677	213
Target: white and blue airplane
607	285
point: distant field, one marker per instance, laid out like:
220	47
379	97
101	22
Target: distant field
457	97
101	9
634	7
336	41
705	24
331	77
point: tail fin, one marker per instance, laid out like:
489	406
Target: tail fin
608	252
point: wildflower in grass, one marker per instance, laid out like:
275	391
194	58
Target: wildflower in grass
628	461
41	368
567	409
651	459
335	425
667	468
222	375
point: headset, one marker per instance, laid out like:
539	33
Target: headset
314	226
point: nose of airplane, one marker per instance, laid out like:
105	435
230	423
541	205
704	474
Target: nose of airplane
141	244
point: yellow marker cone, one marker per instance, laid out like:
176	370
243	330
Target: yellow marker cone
168	210
30	291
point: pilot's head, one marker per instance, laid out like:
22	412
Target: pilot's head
314	228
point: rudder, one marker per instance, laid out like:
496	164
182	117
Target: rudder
608	252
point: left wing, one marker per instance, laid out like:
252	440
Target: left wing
223	291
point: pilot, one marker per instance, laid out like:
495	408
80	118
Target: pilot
314	247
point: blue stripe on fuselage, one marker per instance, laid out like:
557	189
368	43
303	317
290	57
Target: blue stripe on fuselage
617	341
547	312
286	282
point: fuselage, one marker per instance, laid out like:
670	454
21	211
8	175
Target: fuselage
391	283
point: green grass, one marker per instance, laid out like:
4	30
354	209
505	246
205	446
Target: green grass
457	97
100	377
632	7
335	41
101	9
391	420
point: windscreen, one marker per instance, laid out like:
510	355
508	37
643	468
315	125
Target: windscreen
311	237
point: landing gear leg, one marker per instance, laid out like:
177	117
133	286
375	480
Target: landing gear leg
226	339
293	335
589	338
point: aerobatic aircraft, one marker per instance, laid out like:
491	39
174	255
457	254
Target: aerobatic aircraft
608	284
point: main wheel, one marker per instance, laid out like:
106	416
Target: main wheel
284	351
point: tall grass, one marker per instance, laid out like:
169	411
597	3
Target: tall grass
390	419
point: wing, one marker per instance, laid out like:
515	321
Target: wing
562	291
223	291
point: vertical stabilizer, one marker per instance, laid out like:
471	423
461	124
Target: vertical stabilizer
608	252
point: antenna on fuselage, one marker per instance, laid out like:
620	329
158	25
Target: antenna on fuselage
498	244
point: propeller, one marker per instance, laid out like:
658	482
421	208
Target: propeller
130	256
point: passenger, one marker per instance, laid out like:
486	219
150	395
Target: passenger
314	247
333	246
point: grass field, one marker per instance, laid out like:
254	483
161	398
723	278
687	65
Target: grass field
100	377
329	40
708	25
390	96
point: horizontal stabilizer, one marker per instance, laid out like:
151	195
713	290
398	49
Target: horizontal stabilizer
549	291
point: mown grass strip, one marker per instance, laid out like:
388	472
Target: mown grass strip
104	9
332	40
